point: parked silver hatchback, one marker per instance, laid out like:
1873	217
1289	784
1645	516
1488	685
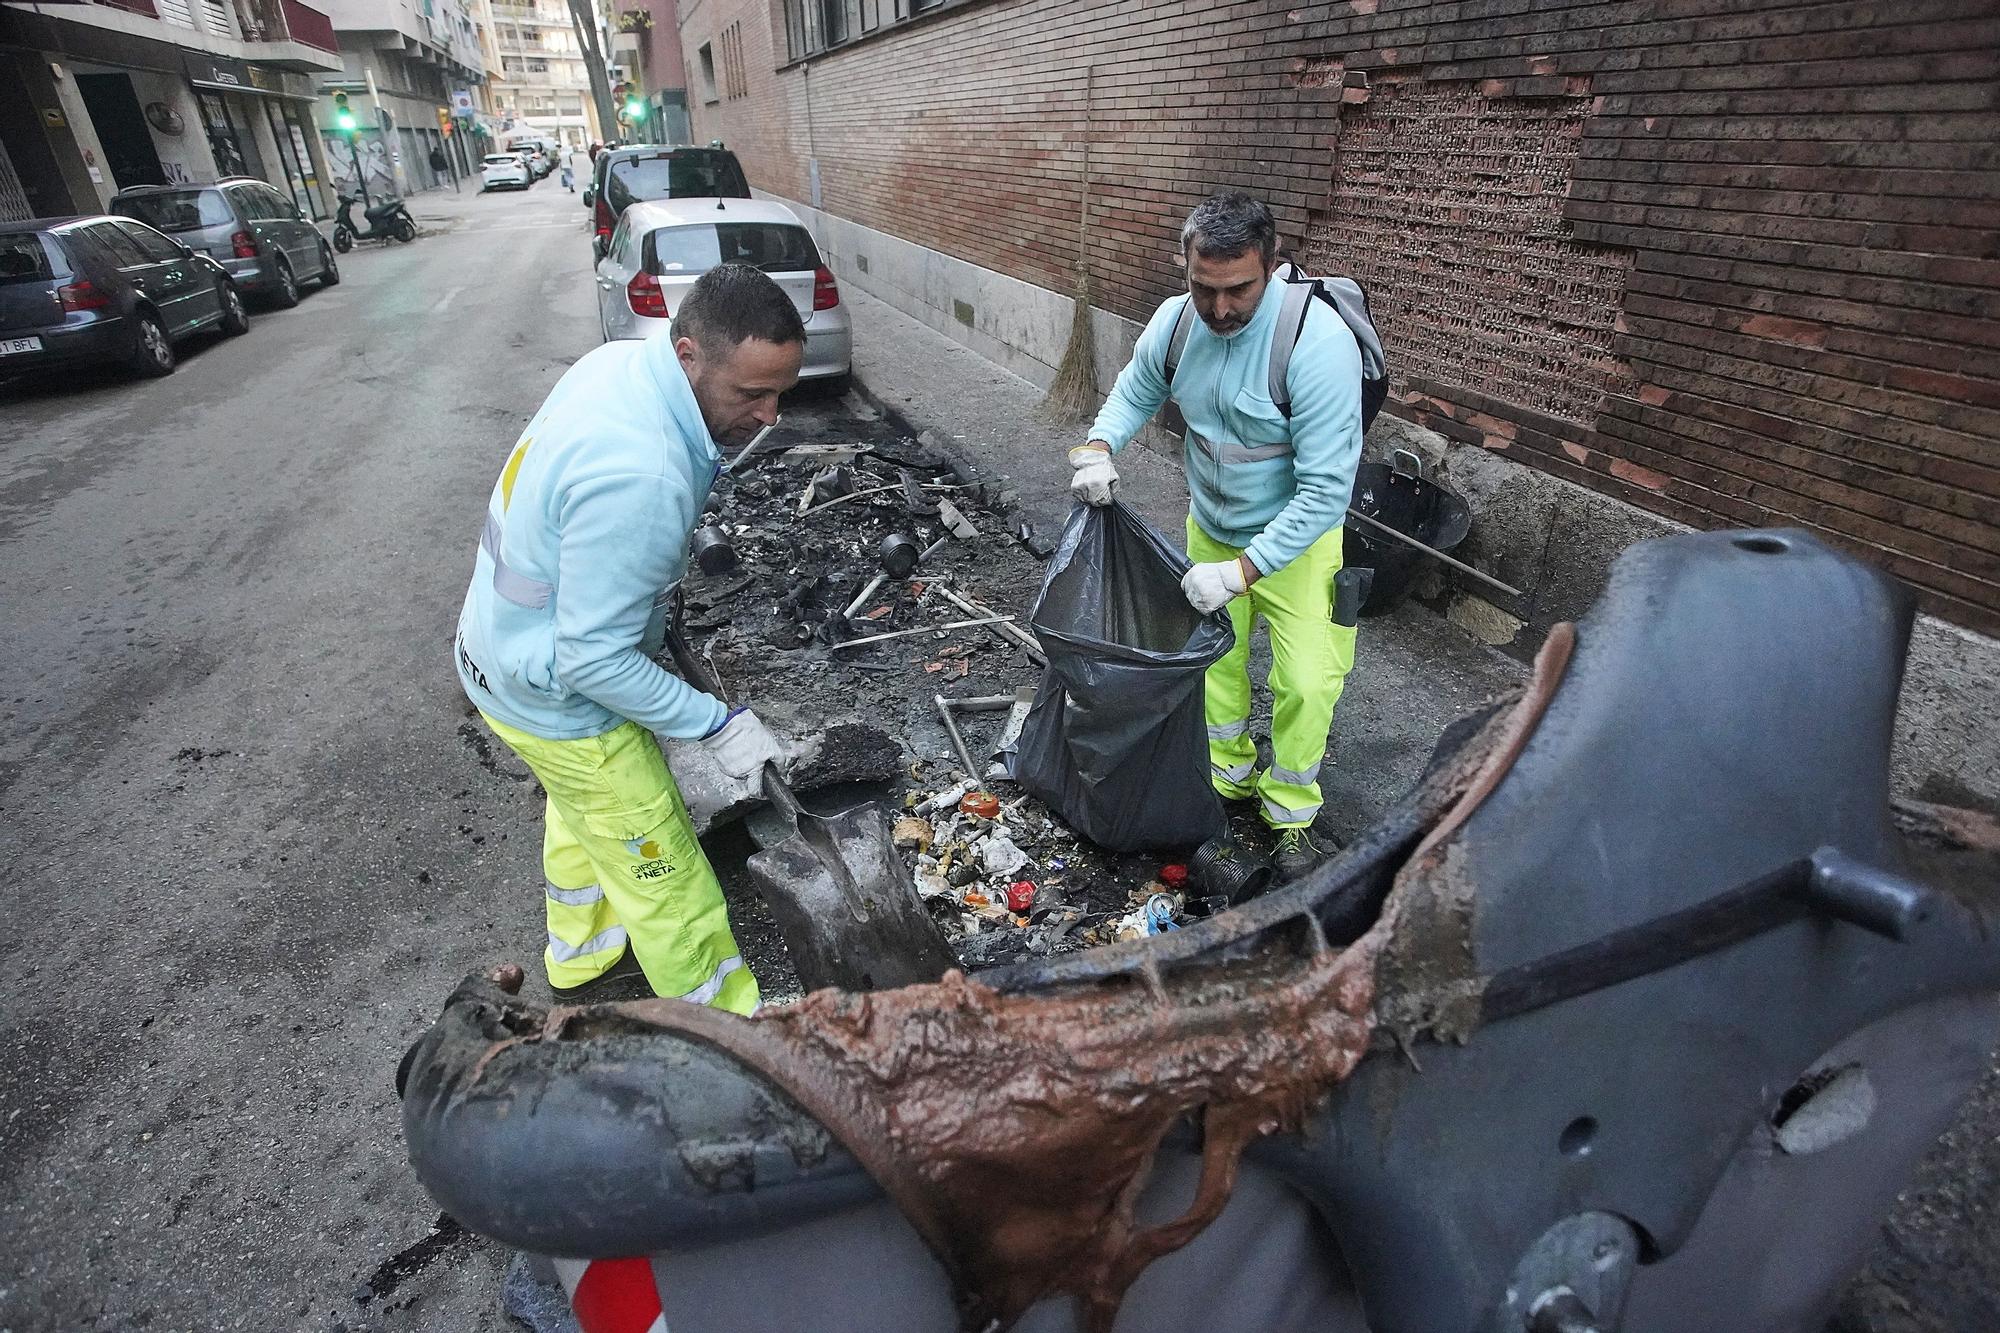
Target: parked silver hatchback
258	236
659	248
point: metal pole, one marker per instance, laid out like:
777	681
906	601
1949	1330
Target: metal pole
1459	565
957	738
360	176
921	629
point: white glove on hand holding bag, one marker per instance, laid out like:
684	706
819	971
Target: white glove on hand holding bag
1094	475
742	745
1209	588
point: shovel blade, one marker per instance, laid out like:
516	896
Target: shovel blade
846	907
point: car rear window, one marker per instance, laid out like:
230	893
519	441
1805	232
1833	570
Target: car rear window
774	247
502	160
22	258
177	210
674	176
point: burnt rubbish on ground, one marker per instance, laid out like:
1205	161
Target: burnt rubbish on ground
815	534
1746	880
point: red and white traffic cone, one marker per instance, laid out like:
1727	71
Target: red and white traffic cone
612	1295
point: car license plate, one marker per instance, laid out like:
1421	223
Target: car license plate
9	346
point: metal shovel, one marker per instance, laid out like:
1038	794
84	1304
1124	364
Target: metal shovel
842	898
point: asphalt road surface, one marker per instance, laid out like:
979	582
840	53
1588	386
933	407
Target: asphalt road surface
251	837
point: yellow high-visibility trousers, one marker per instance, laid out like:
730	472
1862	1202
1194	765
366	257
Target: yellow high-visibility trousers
620	865
1310	659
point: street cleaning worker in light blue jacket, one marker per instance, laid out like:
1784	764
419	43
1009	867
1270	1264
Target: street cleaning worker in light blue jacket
586	529
1268	497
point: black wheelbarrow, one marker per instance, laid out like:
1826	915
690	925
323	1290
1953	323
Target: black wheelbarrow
1398	495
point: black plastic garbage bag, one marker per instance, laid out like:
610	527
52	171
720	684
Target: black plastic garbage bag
1116	740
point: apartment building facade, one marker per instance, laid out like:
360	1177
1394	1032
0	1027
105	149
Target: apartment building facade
99	96
542	83
410	69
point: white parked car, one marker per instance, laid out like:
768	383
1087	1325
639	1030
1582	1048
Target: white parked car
504	171
659	248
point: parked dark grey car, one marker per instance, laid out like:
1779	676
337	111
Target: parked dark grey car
262	239
106	289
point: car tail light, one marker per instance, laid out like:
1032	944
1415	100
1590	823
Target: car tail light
646	297
243	245
82	296
604	218
826	292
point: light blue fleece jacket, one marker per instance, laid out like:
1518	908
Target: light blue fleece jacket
586	529
1255	480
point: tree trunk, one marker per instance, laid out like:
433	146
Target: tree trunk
585	23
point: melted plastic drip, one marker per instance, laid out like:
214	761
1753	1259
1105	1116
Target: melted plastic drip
1016	1132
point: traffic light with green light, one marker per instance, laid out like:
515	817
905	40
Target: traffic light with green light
635	109
343	115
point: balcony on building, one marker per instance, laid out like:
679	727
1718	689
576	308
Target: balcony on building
281	34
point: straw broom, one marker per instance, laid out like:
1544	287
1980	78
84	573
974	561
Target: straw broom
1073	396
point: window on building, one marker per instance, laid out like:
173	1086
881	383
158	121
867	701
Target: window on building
812	26
834	19
222	136
705	57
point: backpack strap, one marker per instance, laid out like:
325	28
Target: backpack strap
1177	341
1285	338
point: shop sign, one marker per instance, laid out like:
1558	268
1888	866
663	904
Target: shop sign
209	71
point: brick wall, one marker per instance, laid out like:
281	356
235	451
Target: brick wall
659	45
1733	262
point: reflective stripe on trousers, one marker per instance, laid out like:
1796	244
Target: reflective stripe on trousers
1237	774
711	988
590	893
612	937
1296	778
1279	816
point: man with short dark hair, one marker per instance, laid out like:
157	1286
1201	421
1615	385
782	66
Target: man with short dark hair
1268	496
586	530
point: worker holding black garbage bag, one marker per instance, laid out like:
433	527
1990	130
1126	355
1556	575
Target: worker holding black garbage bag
1267	373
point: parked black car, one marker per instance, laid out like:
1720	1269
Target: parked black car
262	239
621	176
106	289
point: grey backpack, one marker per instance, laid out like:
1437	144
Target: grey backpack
1348	300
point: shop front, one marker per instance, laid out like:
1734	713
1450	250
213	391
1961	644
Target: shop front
257	123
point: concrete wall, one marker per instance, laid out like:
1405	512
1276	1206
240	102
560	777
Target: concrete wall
96	176
1014	323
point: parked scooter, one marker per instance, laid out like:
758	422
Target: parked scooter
388	220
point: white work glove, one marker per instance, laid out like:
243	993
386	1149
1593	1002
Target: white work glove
742	745
1209	588
1094	475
